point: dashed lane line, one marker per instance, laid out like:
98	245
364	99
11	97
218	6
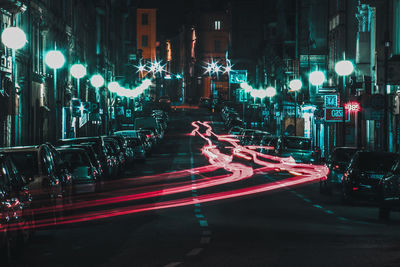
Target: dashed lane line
173	264
194	252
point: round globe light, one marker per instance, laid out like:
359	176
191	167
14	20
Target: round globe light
317	78
13	37
78	71
113	87
147	83
270	91
97	80
295	84
54	59
344	68
254	93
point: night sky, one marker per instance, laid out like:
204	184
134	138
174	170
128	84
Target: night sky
171	13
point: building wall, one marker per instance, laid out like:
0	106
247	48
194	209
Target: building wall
148	29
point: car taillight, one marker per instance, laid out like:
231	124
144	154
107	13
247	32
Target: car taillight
148	135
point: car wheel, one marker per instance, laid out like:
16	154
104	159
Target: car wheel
384	213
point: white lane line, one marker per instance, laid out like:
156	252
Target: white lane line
205	240
207	232
199	216
173	264
203	223
197	210
194	252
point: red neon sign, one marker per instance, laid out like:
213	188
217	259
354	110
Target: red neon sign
352	106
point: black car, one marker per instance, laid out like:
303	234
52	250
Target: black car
389	192
362	177
16	214
99	148
92	155
337	163
81	167
299	148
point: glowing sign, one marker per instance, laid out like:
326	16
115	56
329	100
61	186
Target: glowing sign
353	107
335	114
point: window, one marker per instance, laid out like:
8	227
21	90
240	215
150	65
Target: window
145	19
217	25
217	46
145	40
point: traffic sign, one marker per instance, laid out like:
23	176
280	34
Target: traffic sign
335	114
238	76
331	100
95	107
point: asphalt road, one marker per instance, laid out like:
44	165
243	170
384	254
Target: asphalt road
294	226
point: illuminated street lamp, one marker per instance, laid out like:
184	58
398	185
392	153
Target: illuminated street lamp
317	78
113	87
97	81
296	84
344	68
55	60
14	38
78	71
270	92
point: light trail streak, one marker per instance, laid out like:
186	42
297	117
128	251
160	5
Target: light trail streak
302	174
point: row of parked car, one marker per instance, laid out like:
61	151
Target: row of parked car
356	174
46	175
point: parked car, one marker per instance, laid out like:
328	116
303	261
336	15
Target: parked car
81	167
337	163
37	165
362	177
126	150
235	130
389	192
92	155
62	172
16	214
138	148
117	151
99	148
146	141
252	137
300	148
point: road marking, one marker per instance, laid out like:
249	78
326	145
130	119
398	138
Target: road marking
207	232
197	210
173	264
329	211
205	240
203	223
197	205
194	252
195	195
199	216
307	200
317	206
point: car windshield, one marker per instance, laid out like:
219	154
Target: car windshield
75	158
343	154
297	143
376	161
134	142
26	162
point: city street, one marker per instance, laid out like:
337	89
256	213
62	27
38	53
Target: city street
286	225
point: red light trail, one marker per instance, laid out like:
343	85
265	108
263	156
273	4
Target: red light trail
302	174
